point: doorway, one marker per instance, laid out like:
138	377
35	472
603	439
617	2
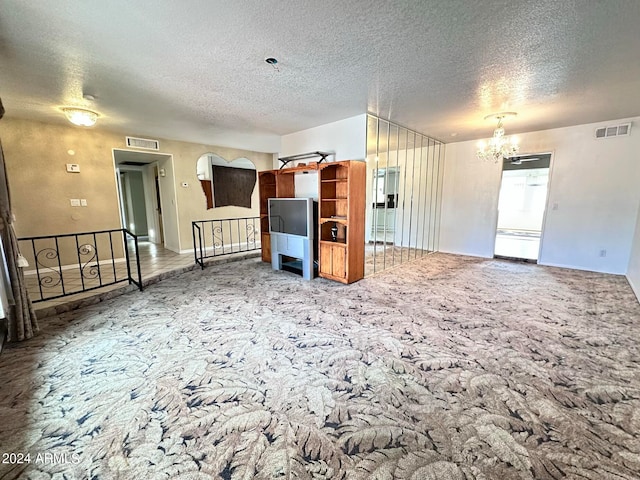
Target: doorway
133	206
521	207
140	193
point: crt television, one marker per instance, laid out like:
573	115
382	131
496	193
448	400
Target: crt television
292	216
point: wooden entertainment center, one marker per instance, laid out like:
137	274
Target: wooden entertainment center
341	216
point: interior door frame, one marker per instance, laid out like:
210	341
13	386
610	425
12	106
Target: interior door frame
148	195
551	153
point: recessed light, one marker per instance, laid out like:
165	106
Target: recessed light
273	62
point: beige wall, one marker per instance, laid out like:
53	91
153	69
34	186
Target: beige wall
36	154
191	201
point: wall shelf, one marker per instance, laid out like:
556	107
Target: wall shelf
305	156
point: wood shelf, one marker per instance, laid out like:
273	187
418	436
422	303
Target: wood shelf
313	166
341	195
304	156
342	202
331	219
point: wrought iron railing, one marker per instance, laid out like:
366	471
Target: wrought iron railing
62	265
212	238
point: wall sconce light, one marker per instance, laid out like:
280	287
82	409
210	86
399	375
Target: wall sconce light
80	116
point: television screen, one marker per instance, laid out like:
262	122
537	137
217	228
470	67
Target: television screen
290	215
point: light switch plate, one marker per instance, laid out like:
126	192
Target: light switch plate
75	202
73	168
83	202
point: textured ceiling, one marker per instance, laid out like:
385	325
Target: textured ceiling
195	70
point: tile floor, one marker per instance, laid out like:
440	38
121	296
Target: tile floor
514	244
156	263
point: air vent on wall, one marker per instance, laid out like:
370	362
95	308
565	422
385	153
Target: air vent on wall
613	131
134	164
143	143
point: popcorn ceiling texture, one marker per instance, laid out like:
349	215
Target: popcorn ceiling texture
196	73
445	368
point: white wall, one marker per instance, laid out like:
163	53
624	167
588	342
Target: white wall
306	185
346	138
633	272
593	183
469	202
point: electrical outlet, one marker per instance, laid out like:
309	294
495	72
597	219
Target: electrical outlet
603	253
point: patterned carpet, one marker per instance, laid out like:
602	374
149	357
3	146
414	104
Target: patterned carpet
447	368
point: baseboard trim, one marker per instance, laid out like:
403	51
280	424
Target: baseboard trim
465	254
634	288
574	267
3	333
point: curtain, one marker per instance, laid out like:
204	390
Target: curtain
22	321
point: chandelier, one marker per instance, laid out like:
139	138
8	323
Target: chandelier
499	146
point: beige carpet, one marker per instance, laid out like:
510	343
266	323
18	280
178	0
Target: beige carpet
446	368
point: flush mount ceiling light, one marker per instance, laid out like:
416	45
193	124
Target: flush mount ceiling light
499	146
80	116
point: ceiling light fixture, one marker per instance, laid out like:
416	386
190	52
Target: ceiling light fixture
81	116
499	146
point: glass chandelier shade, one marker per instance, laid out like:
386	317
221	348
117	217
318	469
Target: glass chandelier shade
499	146
81	116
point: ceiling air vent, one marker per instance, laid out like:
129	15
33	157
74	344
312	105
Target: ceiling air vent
143	143
613	131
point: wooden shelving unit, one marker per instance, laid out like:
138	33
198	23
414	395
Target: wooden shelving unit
342	201
276	184
268	189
